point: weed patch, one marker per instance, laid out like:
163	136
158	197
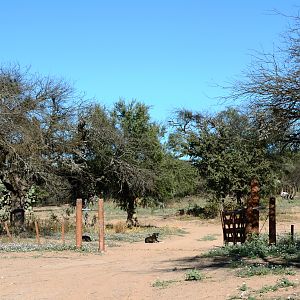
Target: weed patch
258	247
281	283
209	237
264	269
162	284
193	275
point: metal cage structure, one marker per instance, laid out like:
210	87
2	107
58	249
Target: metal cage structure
234	225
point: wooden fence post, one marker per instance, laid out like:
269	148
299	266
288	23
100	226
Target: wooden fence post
7	231
37	232
101	225
292	233
272	221
63	230
78	223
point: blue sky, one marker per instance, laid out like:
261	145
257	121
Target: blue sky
166	53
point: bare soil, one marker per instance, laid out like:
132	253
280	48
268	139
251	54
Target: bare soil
134	270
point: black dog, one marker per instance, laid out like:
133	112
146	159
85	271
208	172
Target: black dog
86	238
152	238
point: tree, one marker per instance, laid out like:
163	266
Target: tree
226	150
124	152
38	140
175	178
271	87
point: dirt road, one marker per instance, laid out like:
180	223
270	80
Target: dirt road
127	272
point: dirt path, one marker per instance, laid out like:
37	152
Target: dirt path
126	272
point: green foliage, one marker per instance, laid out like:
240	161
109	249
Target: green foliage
209	237
290	171
39	141
257	269
128	160
30	198
226	150
175	178
6	201
243	287
209	211
258	246
124	152
281	283
133	121
193	275
162	284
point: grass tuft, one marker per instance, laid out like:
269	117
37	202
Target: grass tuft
193	275
162	284
281	283
258	247
257	269
209	237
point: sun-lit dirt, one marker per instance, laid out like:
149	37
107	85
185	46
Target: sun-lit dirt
130	271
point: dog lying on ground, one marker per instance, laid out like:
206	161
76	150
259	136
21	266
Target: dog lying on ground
86	238
152	238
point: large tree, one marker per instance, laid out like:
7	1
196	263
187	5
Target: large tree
225	148
38	137
271	85
124	152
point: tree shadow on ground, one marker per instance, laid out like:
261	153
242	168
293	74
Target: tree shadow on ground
201	262
198	262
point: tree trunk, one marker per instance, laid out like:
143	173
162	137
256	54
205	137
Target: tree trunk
239	198
17	189
132	220
252	211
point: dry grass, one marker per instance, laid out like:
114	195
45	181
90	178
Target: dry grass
120	227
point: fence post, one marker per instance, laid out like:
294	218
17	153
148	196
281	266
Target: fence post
7	231
37	232
63	230
101	225
292	233
78	223
272	221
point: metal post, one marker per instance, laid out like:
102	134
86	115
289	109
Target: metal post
272	221
101	225
78	223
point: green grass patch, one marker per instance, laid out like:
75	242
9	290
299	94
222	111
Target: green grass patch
209	237
257	269
162	284
258	247
51	246
281	283
112	239
244	287
193	275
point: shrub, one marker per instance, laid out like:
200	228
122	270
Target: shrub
209	211
162	284
258	246
120	227
193	275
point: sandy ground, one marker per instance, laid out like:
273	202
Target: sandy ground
129	271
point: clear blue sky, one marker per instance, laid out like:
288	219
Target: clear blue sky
166	53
